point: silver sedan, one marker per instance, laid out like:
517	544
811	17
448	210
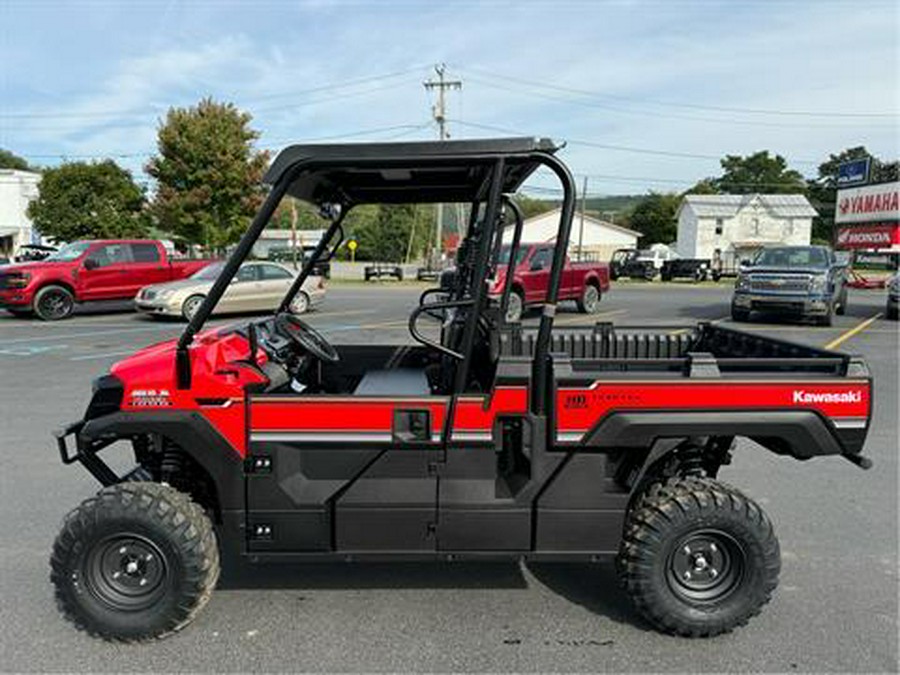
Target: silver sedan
257	287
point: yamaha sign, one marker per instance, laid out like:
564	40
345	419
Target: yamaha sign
868	204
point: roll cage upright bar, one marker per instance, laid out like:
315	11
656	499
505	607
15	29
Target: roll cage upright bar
353	174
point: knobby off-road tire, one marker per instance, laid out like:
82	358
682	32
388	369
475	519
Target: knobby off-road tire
698	558
137	561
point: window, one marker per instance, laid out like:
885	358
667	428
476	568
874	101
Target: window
541	259
719	223
111	254
145	253
756	226
269	272
789	226
246	273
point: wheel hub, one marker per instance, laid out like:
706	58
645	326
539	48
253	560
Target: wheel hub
705	567
127	573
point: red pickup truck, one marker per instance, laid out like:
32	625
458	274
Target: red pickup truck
83	271
583	282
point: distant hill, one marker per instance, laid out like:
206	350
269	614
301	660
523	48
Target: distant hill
620	204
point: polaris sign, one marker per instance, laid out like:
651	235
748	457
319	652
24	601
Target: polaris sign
855	172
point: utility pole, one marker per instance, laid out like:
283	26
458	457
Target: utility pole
439	112
581	227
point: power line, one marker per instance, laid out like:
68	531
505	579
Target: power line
157	109
608	146
692	106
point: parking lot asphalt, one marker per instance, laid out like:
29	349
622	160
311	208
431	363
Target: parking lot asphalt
836	609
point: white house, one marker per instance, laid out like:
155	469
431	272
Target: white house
737	225
17	189
598	238
272	238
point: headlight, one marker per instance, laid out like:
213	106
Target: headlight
742	283
165	294
818	283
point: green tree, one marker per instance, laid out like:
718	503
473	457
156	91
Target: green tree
79	200
823	189
705	186
9	160
533	207
758	172
209	177
654	217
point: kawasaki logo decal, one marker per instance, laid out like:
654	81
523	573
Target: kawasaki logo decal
801	396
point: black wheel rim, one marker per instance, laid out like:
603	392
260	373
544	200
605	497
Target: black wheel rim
55	305
705	567
590	299
126	572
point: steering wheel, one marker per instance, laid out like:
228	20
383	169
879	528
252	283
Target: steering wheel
306	336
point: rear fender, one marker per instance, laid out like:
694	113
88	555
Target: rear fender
801	434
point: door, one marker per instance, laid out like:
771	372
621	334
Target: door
148	265
496	464
242	291
536	274
105	273
347	473
275	281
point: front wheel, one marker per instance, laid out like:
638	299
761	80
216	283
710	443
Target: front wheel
53	303
136	562
698	557
841	308
589	302
190	306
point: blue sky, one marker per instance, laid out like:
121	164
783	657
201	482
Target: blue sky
647	94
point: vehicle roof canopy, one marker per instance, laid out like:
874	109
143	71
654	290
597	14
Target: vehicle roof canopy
421	172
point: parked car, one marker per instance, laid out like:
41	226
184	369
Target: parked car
893	297
379	270
802	281
583	282
285	254
85	271
257	287
697	269
620	258
646	263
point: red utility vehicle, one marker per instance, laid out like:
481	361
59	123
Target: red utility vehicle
85	271
583	282
262	442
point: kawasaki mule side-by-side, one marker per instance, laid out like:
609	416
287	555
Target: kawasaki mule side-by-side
264	443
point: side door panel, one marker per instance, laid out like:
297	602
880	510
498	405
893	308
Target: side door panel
343	474
147	267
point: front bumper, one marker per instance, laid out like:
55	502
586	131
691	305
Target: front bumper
156	307
17	298
782	303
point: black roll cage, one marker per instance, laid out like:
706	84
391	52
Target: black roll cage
336	175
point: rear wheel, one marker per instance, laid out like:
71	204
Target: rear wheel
589	302
138	561
698	557
300	305
515	307
190	306
53	303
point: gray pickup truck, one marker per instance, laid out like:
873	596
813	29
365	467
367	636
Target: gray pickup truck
802	281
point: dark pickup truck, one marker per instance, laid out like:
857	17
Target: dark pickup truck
801	281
